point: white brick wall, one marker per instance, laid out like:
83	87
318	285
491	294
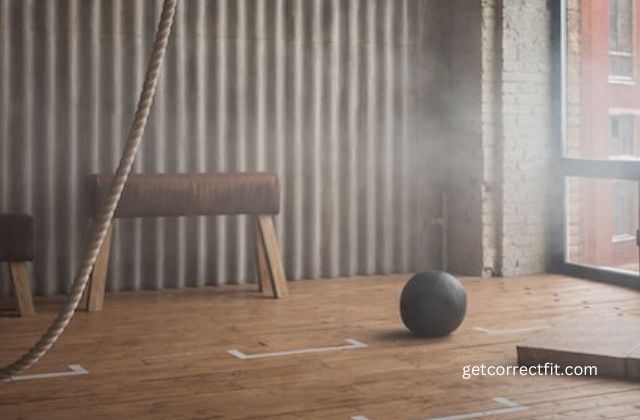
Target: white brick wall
501	144
517	135
491	133
526	134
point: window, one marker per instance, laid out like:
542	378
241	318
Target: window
621	39
601	220
624	210
599	169
622	135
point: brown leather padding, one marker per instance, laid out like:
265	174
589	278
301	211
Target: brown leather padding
160	195
16	237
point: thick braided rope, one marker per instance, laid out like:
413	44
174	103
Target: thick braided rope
105	216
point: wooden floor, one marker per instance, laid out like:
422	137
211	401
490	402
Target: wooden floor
164	355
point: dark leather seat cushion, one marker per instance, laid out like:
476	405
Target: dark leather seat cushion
162	195
16	237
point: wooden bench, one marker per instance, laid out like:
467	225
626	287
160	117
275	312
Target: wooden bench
163	195
17	248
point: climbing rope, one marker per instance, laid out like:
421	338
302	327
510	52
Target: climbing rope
105	215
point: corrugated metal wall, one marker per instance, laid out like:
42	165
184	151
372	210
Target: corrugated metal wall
345	99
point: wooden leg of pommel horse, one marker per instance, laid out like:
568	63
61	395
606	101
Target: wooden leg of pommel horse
98	281
262	267
270	270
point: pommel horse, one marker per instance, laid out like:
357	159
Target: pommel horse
196	194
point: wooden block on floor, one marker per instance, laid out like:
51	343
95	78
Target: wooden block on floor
633	363
609	342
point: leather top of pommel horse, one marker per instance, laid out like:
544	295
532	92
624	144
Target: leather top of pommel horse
192	194
16	237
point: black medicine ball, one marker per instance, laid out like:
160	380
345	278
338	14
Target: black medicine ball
433	304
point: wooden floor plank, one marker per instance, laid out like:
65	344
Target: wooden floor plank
164	354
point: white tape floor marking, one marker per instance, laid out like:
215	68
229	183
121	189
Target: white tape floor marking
359	418
74	370
498	331
353	344
509	407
